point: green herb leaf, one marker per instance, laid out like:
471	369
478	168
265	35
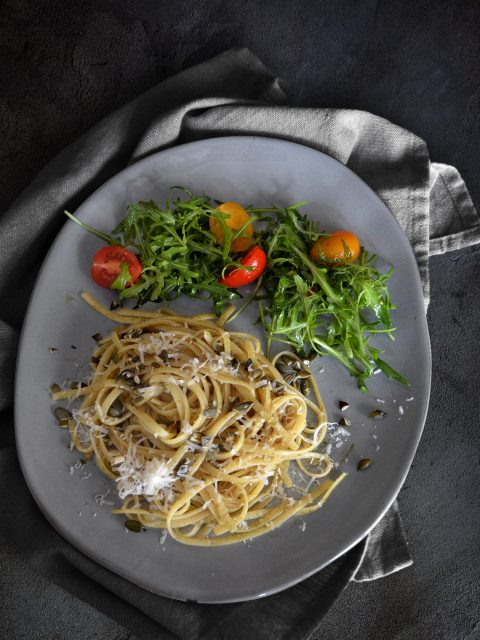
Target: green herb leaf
95	232
389	371
122	279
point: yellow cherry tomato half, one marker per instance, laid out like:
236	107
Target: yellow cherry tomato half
237	218
339	246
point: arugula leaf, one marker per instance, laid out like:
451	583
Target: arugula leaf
122	279
389	371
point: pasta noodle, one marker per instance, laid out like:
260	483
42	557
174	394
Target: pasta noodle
198	428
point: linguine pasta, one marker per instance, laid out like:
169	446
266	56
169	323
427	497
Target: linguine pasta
199	430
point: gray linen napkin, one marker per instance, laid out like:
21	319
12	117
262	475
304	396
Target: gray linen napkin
232	94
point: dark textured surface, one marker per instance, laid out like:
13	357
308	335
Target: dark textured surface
62	616
63	68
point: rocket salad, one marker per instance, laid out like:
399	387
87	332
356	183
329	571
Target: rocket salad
318	292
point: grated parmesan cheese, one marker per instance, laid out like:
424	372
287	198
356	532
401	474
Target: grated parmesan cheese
186	427
140	477
164	535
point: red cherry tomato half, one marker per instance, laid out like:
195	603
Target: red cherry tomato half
237	277
107	263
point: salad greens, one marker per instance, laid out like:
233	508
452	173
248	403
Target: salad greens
323	310
316	309
178	253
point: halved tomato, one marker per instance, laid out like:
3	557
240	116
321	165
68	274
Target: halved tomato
256	258
107	265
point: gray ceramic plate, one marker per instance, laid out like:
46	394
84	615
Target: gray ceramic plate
248	170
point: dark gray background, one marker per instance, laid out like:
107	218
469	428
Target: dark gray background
65	64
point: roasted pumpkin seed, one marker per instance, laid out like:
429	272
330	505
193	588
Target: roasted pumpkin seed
281	366
378	414
116	409
364	463
74	384
305	387
243	407
218	347
290	377
134	525
62	415
210	412
126	375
